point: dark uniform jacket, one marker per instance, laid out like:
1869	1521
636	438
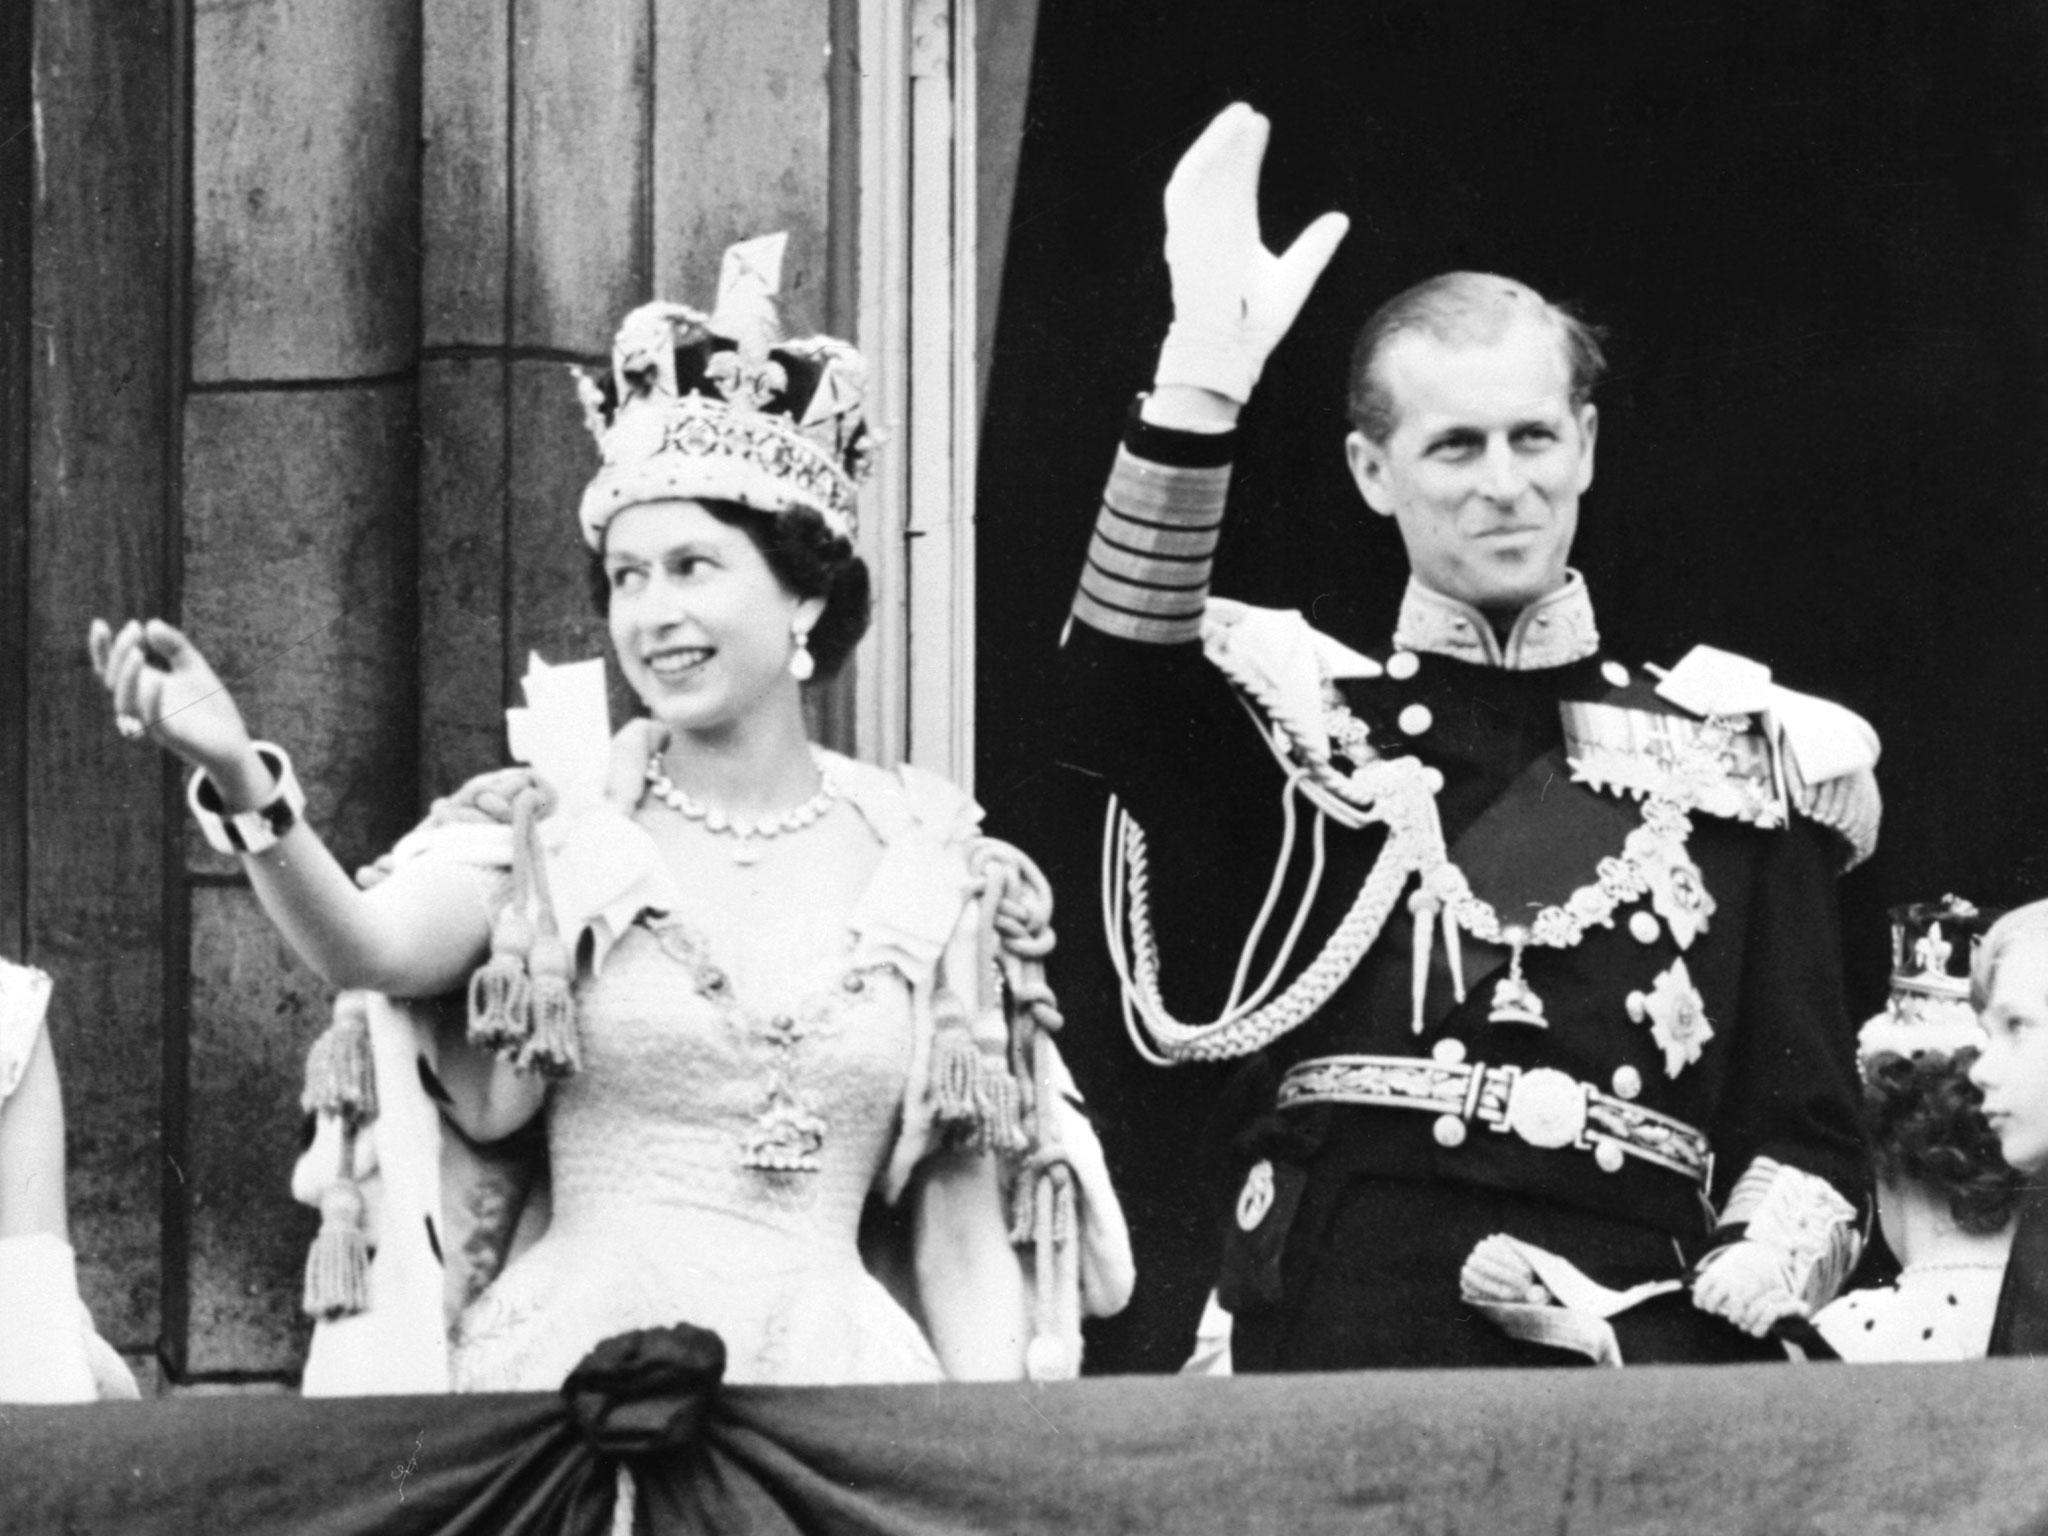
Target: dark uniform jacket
1740	1034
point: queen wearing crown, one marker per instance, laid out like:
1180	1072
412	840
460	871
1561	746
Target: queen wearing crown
778	1015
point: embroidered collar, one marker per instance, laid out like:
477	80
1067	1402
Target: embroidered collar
1553	631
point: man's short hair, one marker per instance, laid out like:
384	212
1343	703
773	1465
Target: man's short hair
2016	927
1461	309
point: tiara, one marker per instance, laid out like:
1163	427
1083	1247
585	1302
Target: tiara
721	407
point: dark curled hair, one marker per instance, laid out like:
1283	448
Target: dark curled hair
1926	1122
807	558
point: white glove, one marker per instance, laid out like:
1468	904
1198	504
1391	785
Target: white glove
1496	1270
1232	298
42	1325
1746	1284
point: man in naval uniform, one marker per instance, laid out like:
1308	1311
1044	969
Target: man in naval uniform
1531	953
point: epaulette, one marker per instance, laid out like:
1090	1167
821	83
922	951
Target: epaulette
1281	663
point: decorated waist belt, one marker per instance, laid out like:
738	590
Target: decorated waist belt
1543	1106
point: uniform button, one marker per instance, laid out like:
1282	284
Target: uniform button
1256	1198
1644	926
1449	1131
1638	1006
1415	719
1628	1082
1403	665
1449	1053
1608	1156
1615	673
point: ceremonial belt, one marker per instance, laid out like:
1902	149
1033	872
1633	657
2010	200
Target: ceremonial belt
1543	1106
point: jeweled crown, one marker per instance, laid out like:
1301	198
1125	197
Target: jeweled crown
1933	944
722	407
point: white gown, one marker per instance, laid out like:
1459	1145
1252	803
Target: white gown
658	1216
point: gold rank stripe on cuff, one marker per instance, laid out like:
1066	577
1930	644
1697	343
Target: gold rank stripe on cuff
1147	576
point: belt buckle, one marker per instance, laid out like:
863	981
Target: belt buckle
1547	1108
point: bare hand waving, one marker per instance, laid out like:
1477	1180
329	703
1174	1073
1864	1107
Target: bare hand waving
162	687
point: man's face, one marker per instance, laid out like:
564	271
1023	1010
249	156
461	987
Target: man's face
1486	463
2012	1070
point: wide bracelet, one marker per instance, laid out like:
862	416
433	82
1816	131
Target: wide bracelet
249	831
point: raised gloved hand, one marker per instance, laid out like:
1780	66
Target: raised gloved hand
1746	1283
1232	298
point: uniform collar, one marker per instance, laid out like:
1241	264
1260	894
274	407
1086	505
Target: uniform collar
1553	631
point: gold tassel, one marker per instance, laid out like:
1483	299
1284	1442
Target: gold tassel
1046	1357
500	992
1001	1123
340	1076
338	1268
956	1070
552	1049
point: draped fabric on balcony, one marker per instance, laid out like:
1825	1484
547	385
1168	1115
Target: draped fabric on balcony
1765	1449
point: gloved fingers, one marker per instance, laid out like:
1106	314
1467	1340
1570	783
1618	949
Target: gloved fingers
1495	1270
1296	271
1219	152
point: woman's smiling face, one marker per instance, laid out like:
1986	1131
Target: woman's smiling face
701	626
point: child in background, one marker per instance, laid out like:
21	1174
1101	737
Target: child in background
1945	1195
2009	984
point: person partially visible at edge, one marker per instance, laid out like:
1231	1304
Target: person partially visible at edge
1945	1194
779	971
1532	952
49	1349
2009	985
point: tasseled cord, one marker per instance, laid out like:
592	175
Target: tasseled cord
341	1082
521	1001
552	1048
1016	937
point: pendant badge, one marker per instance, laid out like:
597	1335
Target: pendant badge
1514	1000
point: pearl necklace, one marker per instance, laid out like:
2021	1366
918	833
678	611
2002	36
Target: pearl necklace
750	837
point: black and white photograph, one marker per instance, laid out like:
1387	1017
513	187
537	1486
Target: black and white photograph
1022	766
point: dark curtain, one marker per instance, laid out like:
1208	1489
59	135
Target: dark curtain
1818	233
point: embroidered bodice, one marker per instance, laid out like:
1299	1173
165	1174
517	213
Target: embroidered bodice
688	1088
743	1088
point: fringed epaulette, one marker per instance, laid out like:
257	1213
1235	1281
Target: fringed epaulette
341	1085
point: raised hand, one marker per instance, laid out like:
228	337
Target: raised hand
162	687
1232	298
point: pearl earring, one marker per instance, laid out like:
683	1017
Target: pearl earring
801	663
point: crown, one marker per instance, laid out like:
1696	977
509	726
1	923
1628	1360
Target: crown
721	407
1933	945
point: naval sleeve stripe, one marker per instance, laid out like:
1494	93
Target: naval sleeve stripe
1104	579
1166	629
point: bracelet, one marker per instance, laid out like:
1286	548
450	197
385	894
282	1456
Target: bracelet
251	831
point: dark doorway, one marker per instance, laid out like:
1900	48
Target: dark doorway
1818	233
